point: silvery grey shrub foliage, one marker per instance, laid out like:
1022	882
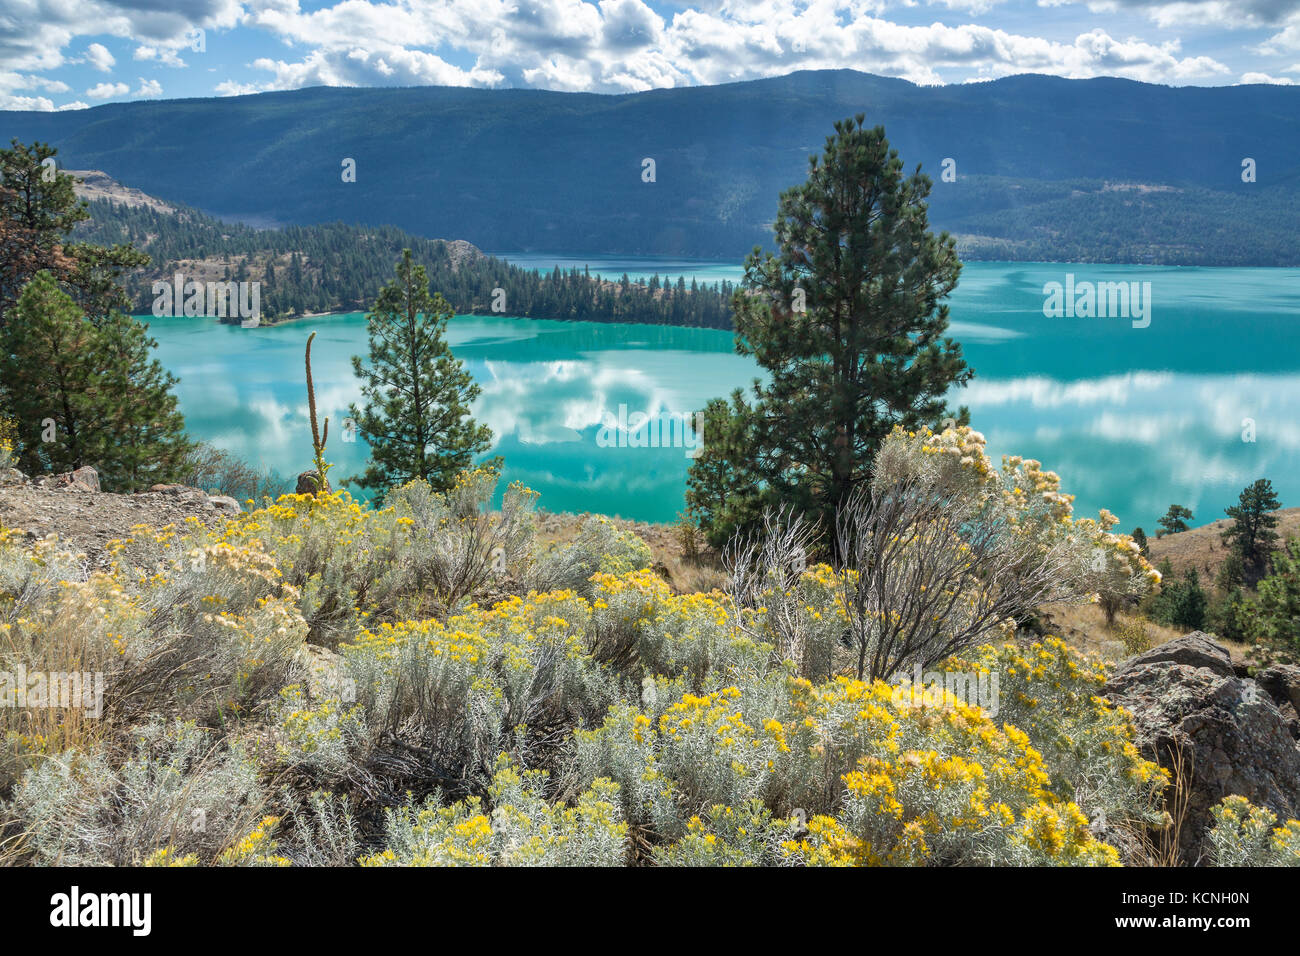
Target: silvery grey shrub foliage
598	547
516	826
767	570
27	584
180	788
323	737
666	713
423	555
457	545
747	835
209	467
441	702
324	832
193	650
1246	835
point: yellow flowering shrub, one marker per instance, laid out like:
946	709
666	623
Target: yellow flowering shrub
52	622
904	785
421	553
8	443
520	829
180	789
803	616
1031	499
321	736
718	732
211	631
599	547
256	848
728	836
463	689
1246	835
636	616
1052	692
168	857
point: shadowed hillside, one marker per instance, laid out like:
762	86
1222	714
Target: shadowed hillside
562	172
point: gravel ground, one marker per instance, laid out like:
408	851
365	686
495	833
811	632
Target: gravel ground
87	521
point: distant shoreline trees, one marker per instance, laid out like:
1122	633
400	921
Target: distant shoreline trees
333	267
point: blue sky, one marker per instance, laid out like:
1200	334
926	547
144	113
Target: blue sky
69	54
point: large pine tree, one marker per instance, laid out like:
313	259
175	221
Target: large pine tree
47	365
848	321
416	394
38	211
86	394
95	378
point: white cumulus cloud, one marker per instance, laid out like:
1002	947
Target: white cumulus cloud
102	91
97	55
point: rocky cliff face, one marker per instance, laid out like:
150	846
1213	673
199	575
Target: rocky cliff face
1229	732
97	185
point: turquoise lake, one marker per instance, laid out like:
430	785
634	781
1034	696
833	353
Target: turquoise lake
1133	419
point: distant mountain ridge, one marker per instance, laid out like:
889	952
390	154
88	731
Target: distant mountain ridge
340	267
1047	168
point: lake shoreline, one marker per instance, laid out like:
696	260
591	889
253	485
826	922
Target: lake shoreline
714	270
1133	419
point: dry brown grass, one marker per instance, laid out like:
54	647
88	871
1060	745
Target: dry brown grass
684	575
1203	549
1162	845
47	729
1083	626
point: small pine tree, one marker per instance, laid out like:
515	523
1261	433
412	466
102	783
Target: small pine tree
1231	615
140	436
718	495
1277	610
1174	521
1140	537
1182	604
1232	573
416	394
1251	534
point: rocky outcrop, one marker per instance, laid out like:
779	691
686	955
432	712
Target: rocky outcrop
86	519
224	504
98	185
1282	683
1189	705
220	503
1191	650
83	479
462	252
